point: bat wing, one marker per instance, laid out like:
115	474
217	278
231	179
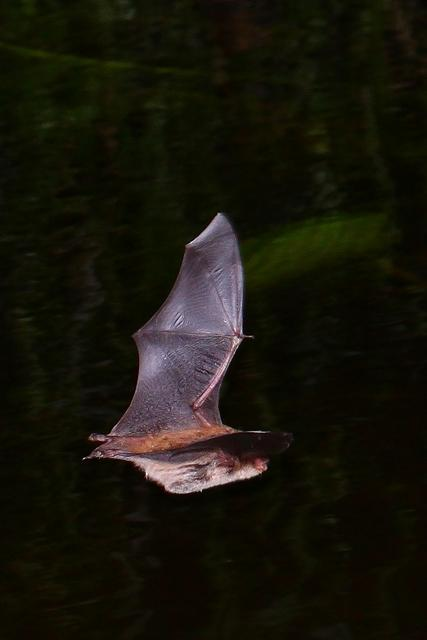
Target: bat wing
186	347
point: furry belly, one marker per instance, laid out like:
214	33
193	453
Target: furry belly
202	472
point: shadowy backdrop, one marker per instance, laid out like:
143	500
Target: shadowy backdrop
124	127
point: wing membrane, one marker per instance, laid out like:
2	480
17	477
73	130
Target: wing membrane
186	347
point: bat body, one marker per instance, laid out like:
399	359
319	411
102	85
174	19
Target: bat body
172	430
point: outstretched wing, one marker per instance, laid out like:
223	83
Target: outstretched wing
186	347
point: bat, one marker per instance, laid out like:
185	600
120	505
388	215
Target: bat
172	430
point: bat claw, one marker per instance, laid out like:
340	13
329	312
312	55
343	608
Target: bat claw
94	454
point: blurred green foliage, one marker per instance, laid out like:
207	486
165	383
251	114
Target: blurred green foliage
301	248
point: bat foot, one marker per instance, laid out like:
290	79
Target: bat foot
98	437
89	457
94	454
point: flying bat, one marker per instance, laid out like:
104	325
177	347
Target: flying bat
172	429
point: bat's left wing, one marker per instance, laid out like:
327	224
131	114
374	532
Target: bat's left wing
186	347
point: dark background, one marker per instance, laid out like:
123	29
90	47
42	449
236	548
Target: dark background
124	127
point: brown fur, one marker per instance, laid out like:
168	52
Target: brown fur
163	441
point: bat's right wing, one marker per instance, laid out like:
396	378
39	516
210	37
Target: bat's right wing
186	347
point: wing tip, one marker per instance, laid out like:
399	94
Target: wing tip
219	226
